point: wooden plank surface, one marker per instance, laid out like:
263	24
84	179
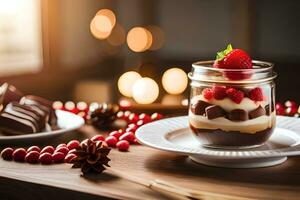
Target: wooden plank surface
278	182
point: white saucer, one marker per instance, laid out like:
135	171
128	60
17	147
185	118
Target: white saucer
66	122
174	135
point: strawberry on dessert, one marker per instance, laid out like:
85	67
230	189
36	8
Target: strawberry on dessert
235	59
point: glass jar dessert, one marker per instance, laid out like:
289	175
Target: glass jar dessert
232	103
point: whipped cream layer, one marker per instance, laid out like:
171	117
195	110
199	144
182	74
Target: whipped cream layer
228	105
251	126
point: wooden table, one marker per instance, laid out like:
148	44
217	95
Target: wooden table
27	181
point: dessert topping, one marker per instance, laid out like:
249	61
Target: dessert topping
234	59
256	94
207	93
219	92
235	95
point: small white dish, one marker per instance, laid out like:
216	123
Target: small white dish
66	122
174	135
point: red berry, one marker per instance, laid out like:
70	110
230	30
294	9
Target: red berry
279	109
219	92
133	118
234	59
7	153
72	151
98	138
136	141
19	154
61	145
207	93
116	134
111	141
291	111
69	158
73	144
47	149
133	126
156	116
58	157
126	115
219	64
128	136
130	130
32	157
235	95
63	150
146	118
45	158
140	123
33	148
120	115
256	94
123	145
290	104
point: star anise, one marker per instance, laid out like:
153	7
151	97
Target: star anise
91	156
103	115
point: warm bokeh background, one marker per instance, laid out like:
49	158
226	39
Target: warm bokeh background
46	47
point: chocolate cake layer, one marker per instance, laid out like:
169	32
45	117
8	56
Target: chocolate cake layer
221	138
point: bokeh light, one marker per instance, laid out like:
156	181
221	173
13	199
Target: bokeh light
126	82
139	39
145	91
174	81
102	24
109	14
96	33
158	37
117	36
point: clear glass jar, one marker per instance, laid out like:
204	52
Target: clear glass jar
232	108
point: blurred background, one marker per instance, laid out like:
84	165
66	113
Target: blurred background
77	49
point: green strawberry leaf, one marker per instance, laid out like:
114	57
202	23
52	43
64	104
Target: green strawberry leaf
222	54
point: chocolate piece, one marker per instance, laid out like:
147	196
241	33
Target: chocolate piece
198	108
28	111
9	93
214	111
19	119
41	105
12	124
238	115
257	112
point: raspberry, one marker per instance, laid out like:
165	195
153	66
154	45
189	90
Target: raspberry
235	95
256	94
208	93
219	92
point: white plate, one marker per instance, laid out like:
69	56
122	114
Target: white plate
66	122
174	135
